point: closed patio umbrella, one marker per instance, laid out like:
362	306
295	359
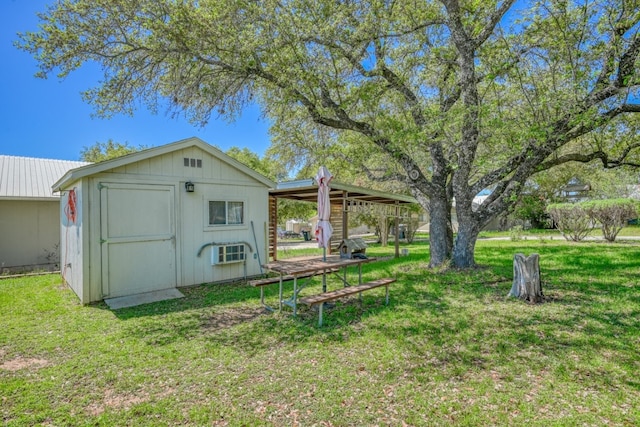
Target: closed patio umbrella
323	229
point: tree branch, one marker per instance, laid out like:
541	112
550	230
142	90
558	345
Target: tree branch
626	68
495	18
386	177
596	155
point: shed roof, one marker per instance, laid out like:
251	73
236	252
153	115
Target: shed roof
28	178
307	190
75	174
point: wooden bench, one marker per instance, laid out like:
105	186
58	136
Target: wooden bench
343	292
276	279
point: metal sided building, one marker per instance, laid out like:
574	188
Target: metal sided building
29	213
176	215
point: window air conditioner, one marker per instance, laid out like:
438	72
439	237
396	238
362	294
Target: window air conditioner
227	254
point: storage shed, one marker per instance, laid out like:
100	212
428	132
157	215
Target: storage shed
29	213
175	215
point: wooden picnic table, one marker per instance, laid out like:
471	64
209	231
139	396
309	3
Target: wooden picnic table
304	267
300	265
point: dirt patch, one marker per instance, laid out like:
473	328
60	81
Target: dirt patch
20	363
115	400
232	317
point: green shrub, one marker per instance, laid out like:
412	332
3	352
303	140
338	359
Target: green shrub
531	208
515	233
612	214
571	220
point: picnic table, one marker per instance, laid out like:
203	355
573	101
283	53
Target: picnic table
305	267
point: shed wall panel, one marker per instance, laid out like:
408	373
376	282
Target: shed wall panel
172	165
197	232
72	241
29	234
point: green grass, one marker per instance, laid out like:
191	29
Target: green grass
450	349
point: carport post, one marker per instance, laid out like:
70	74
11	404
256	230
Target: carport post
397	232
345	216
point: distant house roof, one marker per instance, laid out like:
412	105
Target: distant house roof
27	178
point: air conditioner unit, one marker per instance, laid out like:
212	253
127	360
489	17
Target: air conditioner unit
227	254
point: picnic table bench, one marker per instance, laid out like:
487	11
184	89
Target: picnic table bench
297	268
261	283
320	299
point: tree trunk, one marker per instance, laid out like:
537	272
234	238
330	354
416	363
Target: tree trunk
439	232
526	278
465	244
383	224
449	224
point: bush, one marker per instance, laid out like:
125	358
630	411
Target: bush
571	219
531	208
412	226
515	233
612	214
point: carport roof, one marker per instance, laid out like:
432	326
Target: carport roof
307	190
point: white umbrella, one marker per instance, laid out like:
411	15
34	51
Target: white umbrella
323	229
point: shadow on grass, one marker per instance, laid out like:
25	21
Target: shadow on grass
208	295
458	321
204	309
468	322
587	314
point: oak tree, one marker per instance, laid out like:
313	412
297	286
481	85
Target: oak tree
455	96
101	151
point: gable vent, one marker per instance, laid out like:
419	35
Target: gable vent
192	163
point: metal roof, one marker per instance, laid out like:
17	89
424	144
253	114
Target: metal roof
31	178
307	190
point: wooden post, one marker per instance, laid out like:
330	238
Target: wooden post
273	229
397	230
526	278
345	216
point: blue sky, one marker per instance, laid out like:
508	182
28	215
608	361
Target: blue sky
48	119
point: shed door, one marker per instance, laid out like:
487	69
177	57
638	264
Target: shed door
137	238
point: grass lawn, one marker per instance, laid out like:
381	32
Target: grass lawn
449	349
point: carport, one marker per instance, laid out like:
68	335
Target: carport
345	199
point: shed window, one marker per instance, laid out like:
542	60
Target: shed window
226	213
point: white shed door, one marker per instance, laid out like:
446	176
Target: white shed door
137	238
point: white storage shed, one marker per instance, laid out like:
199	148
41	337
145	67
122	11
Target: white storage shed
175	215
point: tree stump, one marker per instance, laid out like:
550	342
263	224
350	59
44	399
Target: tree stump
526	278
